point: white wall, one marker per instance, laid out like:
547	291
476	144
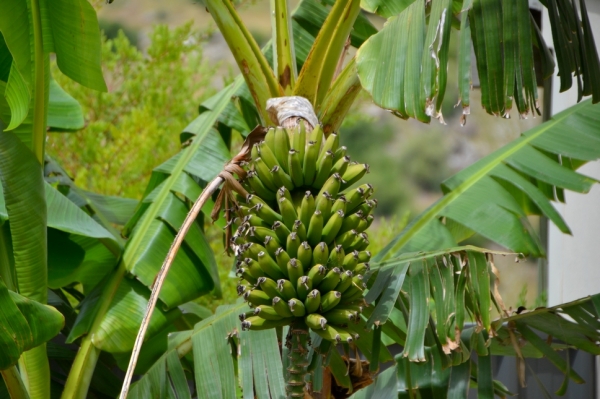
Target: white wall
574	261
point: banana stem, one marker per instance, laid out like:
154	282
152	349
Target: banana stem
297	341
14	383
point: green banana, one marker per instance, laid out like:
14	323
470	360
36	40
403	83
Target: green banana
254	268
246	275
345	281
362	268
292	245
272	246
269	266
333	226
362	225
339	204
310	162
243	287
269	287
251	250
263	210
258	187
298	141
267	155
257	297
315	228
353	298
313	301
305	254
295	165
315	321
304	286
345	336
281	307
270	138
261	234
330	281
267	312
330	300
286	288
297	307
295	270
281	179
256	323
283	192
370	219
331	185
357	196
254	152
340	316
307	208
323	203
323	169
246	314
354	172
364	256
320	254
360	243
340	166
316	274
288	212
339	153
336	256
282	258
346	239
317	136
254	220
350	261
264	174
329	333
300	229
282	232
331	145
282	147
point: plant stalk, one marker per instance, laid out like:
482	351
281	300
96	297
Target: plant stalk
162	275
284	58
14	383
83	367
297	341
34	366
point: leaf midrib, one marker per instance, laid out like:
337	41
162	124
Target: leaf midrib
188	153
464	186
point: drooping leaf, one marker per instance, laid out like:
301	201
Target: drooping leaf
385	8
25	325
503	36
64	112
483	197
23	187
77	54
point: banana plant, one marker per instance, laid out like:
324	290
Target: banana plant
404	69
515	181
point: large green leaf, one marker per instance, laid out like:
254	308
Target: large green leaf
23	187
493	196
25	324
404	66
76	41
385	8
259	368
64	112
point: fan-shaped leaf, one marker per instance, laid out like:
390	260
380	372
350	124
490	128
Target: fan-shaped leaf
257	358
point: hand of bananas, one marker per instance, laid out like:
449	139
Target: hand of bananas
300	240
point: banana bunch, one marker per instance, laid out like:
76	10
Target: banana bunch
300	239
